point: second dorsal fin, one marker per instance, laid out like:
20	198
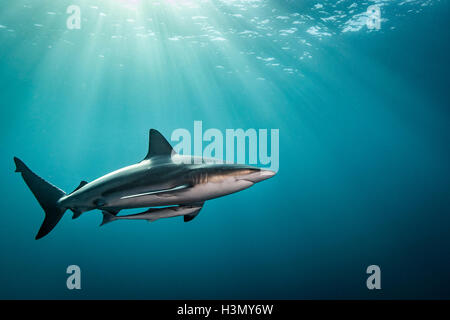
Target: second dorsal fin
81	185
158	145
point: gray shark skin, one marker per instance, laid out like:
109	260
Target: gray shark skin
162	178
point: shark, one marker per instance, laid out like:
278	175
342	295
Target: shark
167	183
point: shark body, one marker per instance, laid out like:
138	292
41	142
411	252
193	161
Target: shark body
162	178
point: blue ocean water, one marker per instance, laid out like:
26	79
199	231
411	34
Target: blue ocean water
363	119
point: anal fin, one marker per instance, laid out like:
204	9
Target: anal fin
76	213
107	217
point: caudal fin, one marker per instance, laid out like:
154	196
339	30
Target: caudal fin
107	217
46	194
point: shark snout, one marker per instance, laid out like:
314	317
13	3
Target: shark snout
258	176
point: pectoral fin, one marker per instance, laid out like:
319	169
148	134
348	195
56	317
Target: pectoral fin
192	215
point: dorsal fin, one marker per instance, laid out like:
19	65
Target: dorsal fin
81	185
158	145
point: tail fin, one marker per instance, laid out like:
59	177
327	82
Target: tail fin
46	194
107	217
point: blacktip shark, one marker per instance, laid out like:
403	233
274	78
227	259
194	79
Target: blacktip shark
177	185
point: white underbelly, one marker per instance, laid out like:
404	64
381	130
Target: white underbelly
198	193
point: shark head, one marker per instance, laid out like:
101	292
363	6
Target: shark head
255	175
219	180
232	172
